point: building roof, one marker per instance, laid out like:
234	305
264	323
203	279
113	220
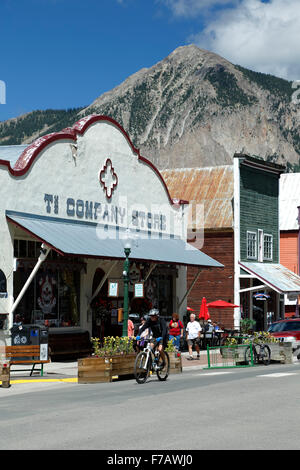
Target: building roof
289	200
275	276
11	153
211	186
71	237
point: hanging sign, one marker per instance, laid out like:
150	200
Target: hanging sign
259	296
113	289
139	289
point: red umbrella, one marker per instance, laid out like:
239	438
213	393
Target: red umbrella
221	304
189	309
204	313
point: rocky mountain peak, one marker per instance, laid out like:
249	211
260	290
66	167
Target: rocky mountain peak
194	108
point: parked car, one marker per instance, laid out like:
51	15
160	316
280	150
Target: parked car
287	330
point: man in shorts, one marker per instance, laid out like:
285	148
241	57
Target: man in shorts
193	330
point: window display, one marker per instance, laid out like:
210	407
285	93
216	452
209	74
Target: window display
52	298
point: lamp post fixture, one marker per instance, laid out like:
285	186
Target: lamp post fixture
127	251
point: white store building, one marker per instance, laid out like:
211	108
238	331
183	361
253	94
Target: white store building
83	193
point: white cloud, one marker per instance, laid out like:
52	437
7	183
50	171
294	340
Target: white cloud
191	8
263	36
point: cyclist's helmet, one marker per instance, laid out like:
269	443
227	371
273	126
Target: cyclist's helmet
153	311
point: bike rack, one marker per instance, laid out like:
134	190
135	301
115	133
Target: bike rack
224	357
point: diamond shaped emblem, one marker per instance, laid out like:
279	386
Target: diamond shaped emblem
108	178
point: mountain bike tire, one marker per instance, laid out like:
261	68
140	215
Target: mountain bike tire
140	372
163	373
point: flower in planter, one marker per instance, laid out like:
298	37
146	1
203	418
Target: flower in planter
170	346
112	345
96	346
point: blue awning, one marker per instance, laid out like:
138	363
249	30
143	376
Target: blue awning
87	239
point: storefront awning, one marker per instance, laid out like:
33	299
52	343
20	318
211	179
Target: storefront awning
69	237
275	276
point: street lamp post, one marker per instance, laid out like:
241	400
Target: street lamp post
127	251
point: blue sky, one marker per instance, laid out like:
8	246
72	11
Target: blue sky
65	53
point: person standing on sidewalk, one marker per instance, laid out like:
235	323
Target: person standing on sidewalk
175	330
193	329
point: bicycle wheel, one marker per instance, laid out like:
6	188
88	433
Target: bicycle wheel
163	373
248	356
265	355
141	367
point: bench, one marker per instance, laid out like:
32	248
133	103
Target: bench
69	343
25	355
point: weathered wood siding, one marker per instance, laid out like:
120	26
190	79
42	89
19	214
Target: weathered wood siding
217	283
258	207
289	250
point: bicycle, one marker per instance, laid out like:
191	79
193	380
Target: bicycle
149	360
258	352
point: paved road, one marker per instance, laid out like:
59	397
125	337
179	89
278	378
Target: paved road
252	408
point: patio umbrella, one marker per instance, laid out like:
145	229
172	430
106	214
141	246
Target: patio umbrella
189	309
221	304
204	313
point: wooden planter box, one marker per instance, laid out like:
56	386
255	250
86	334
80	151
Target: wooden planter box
123	365
282	352
100	369
175	363
279	352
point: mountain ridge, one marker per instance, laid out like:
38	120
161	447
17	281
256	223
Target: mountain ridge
191	109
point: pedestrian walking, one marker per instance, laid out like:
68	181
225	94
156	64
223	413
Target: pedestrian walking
193	330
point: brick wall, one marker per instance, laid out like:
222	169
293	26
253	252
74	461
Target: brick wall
217	283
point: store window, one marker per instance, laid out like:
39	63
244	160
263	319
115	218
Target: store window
52	299
251	245
268	247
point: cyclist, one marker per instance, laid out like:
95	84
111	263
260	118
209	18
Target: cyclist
159	333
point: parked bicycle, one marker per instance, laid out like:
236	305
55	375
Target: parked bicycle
258	351
149	360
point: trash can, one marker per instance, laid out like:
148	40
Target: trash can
44	342
25	335
20	335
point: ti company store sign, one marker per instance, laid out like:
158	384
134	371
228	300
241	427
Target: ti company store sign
160	219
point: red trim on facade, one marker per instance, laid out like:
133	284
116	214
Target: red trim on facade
28	156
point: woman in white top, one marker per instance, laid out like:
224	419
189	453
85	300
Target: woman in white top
193	330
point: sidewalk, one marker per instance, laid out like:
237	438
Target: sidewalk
195	363
53	372
67	371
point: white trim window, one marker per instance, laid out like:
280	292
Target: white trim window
251	245
268	247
